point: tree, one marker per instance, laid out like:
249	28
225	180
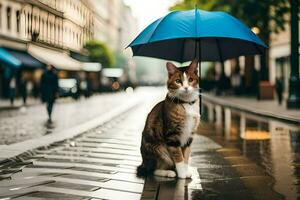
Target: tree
201	4
99	52
268	16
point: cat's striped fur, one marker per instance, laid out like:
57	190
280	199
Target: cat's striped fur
168	132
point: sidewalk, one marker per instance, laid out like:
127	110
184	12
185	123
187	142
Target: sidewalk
267	108
18	103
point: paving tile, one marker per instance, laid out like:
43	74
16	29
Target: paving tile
84	177
51	195
110	141
118	176
104	150
85	166
73	186
107	145
94	155
58	158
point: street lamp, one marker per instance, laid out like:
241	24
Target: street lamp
255	30
294	86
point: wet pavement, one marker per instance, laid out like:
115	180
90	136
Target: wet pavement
31	122
98	164
235	156
270	146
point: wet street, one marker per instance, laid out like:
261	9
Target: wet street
271	146
31	122
235	156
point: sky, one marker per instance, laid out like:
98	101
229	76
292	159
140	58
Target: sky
146	11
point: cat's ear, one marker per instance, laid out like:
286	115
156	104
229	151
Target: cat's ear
171	68
193	68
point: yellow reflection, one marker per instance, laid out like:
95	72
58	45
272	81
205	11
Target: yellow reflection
256	135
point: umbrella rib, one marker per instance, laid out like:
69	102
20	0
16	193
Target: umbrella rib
182	50
158	25
219	50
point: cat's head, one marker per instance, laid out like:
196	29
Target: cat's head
183	82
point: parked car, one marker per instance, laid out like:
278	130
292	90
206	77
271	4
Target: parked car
68	88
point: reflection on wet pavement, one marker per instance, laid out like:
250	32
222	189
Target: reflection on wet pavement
268	150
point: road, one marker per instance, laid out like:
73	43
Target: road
23	124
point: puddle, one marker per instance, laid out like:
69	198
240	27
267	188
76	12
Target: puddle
272	145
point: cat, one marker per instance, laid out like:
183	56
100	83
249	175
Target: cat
170	125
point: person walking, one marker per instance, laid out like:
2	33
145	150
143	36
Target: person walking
12	90
23	88
49	89
279	89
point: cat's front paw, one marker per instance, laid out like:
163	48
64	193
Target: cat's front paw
189	172
181	170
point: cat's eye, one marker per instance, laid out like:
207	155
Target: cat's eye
191	80
178	81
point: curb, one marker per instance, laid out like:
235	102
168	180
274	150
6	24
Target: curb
14	150
240	107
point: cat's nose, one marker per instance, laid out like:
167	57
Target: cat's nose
186	89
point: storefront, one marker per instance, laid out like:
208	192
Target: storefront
8	67
29	74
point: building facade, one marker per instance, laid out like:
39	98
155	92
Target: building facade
39	32
280	51
55	32
64	24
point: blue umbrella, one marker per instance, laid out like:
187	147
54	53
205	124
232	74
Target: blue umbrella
196	34
185	35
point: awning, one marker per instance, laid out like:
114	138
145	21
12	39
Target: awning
26	59
91	67
9	59
59	60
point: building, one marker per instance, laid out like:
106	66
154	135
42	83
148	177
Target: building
280	51
43	31
38	32
116	26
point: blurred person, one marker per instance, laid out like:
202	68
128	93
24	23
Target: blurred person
23	89
236	81
49	89
12	90
279	89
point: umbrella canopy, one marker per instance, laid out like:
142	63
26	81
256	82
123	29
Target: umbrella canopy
9	59
185	35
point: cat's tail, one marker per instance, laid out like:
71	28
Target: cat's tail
146	169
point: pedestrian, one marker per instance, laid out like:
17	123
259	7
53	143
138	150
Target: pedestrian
49	89
12	90
279	89
23	88
236	80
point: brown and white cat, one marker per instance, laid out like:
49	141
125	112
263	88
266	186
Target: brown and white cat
168	132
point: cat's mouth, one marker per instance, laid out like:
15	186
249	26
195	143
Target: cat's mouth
187	95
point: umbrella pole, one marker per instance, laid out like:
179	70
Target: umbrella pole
199	68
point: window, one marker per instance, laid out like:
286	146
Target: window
8	17
28	24
42	28
18	21
0	15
